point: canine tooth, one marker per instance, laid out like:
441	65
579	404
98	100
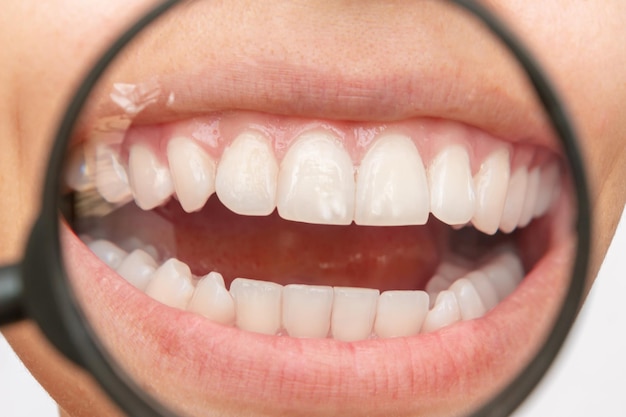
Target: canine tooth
212	300
354	312
530	198
491	184
171	284
257	305
445	312
307	309
470	303
514	200
485	288
547	185
137	268
452	198
246	176
505	272
111	178
391	185
193	172
316	181
400	313
150	180
108	252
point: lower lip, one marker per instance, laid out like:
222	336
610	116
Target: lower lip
196	367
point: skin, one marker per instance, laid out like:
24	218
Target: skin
47	49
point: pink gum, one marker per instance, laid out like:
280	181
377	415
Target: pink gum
216	131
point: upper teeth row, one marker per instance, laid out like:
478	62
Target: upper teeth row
455	293
316	181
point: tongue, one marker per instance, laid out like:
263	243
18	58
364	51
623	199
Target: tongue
272	249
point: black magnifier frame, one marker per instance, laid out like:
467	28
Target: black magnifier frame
38	288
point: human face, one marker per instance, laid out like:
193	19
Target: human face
48	59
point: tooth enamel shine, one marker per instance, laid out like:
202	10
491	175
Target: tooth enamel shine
150	180
257	305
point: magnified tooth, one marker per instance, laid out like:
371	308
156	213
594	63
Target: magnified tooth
111	178
491	184
193	172
547	185
514	200
316	181
391	186
137	268
445	312
171	284
108	253
400	313
354	312
470	304
78	174
307	309
246	175
150	180
452	198
212	300
484	288
257	305
532	188
505	272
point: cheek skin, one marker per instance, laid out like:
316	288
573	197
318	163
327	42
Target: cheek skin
31	106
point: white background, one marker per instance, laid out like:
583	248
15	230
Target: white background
588	378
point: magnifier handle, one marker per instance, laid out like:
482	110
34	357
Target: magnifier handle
11	291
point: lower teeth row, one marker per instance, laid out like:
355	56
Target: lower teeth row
458	291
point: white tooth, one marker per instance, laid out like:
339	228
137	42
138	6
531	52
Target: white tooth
257	305
547	186
391	186
453	267
108	253
171	284
150	180
212	300
485	289
78	174
530	198
452	198
111	178
246	176
438	283
137	268
316	181
445	312
514	200
491	184
307	309
470	304
400	313
354	312
504	272
193	173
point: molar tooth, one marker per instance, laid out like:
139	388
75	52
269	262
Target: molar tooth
316	181
247	174
137	268
354	312
111	178
470	303
484	288
171	284
491	184
150	180
212	300
107	252
257	305
307	310
452	198
505	272
514	200
445	312
400	313
532	188
193	172
391	186
546	191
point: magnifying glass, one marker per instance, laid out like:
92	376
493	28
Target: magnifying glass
257	248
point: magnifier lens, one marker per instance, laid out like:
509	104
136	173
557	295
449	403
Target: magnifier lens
270	216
